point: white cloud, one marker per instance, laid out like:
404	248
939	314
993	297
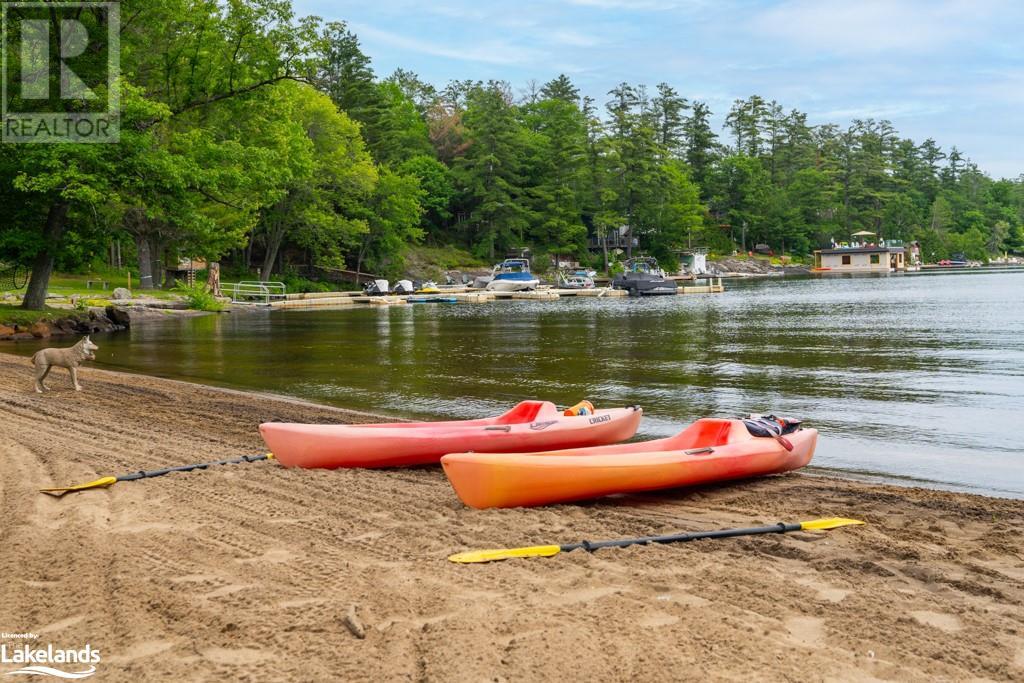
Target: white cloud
493	52
628	4
888	110
876	26
572	38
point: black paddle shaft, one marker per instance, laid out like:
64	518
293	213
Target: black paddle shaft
589	546
133	476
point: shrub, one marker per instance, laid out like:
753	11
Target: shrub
198	297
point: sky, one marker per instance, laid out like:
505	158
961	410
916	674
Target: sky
952	70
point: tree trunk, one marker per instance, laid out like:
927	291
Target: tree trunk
248	250
274	238
213	278
359	259
42	268
145	262
156	252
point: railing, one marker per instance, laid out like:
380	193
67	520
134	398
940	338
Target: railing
613	241
251	291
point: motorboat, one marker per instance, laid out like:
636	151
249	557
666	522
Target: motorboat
404	287
578	280
644	277
376	288
513	275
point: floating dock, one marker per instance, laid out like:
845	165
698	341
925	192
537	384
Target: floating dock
464	295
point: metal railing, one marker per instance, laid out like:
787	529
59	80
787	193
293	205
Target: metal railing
251	291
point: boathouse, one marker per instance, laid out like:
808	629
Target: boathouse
860	259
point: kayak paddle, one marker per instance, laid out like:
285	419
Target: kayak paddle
133	476
551	550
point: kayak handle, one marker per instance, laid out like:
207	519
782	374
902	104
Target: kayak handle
784	442
700	451
502	428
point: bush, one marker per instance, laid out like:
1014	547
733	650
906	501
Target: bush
198	297
295	283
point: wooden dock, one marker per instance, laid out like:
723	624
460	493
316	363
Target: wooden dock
464	295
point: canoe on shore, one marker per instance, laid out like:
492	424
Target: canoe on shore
707	451
530	426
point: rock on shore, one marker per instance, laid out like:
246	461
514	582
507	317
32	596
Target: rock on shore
753	267
91	322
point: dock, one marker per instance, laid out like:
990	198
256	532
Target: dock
463	295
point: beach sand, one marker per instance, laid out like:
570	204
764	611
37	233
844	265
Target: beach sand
250	572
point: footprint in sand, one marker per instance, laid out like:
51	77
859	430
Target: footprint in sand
943	622
60	625
808	631
145	648
275	556
239	657
832	594
659	620
824	591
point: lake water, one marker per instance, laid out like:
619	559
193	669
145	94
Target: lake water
915	378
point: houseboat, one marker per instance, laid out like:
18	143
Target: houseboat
862	257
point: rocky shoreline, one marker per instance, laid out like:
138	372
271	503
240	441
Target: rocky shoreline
93	321
734	267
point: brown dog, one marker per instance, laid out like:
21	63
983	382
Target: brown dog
69	358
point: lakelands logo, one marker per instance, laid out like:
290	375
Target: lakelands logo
61	63
40	661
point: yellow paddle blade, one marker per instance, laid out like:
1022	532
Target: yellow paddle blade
98	484
831	523
505	554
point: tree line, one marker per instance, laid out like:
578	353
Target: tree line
250	133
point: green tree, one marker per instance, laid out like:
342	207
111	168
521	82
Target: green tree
489	174
327	177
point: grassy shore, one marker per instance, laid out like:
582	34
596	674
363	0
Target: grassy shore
249	572
13	314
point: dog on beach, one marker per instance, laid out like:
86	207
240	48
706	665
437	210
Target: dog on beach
69	358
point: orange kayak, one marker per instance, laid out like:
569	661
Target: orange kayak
709	450
530	426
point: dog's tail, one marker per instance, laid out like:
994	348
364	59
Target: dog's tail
34	356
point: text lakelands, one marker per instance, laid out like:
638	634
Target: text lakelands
24	654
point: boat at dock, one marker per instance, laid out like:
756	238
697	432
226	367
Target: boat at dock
376	288
513	275
709	450
644	277
577	280
530	426
428	287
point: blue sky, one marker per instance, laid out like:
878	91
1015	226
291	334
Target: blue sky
952	70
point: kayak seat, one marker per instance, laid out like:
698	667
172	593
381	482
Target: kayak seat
526	411
704	433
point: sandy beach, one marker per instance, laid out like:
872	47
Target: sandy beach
248	572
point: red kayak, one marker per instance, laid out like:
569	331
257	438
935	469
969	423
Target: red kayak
530	426
709	450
